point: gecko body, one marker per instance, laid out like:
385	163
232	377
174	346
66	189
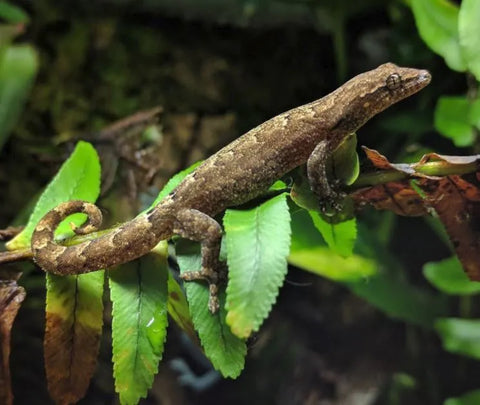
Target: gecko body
239	172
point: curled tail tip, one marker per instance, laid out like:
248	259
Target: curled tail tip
45	249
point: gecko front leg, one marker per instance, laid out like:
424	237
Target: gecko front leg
319	179
197	226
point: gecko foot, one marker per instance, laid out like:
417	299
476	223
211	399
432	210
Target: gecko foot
214	278
333	203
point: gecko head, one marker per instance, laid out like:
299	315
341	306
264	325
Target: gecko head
372	92
397	82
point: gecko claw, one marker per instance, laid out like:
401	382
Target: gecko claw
332	204
213	302
213	278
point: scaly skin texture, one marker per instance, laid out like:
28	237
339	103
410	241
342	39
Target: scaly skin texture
236	174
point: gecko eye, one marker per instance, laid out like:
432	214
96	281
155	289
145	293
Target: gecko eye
394	81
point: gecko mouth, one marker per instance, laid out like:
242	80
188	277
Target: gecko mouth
424	77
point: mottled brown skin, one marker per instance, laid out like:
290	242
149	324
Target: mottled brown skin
236	174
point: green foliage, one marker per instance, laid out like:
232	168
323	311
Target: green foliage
461	336
309	252
340	236
393	295
469	30
470	398
178	307
139	295
437	23
258	241
452	32
18	66
345	162
339	229
449	277
74	303
12	14
77	179
456	118
225	350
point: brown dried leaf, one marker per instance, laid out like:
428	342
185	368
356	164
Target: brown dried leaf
72	335
397	197
457	203
11	297
381	162
455	200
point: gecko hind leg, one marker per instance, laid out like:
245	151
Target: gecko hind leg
197	226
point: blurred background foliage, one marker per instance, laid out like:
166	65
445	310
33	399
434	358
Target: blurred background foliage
218	68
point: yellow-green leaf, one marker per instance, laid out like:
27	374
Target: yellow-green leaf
74	318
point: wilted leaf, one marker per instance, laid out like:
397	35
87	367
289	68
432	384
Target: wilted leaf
139	295
74	318
457	204
397	197
455	200
258	242
395	194
11	297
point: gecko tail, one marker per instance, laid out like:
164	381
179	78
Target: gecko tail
45	250
127	242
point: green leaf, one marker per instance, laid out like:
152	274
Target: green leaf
470	398
340	236
461	336
308	252
437	23
12	14
174	182
323	262
18	66
388	291
399	299
225	350
474	116
74	318
449	277
77	179
453	120
178	308
258	242
139	295
346	165
469	32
